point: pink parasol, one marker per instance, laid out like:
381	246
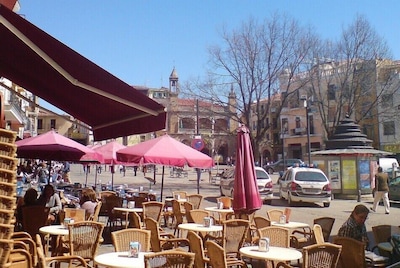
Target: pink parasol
53	146
246	198
165	151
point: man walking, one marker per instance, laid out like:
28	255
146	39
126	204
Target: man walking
381	190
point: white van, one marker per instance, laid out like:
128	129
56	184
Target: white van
388	164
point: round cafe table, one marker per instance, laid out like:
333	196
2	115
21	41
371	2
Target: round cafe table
222	212
199	227
54	230
57	231
127	211
119	260
274	253
291	224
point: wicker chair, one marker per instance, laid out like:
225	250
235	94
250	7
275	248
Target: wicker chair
318	234
168	213
19	258
23	240
233	237
121	239
278	236
114	217
196	246
158	242
178	216
84	238
319	255
197	215
188	207
217	256
261	222
353	252
326	224
382	235
135	220
169	259
182	194
74	213
139	200
46	262
96	214
226	201
153	210
275	214
195	199
103	197
34	217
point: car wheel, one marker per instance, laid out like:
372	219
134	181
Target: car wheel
270	171
326	205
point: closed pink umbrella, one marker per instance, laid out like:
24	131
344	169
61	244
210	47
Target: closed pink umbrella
246	198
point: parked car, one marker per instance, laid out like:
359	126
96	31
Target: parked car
304	184
278	165
394	189
264	183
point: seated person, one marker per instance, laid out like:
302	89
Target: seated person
354	227
30	199
51	199
88	201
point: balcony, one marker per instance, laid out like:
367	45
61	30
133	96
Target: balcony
298	131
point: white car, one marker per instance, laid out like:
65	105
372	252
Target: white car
303	184
264	183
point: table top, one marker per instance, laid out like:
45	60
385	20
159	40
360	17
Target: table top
219	210
291	224
199	227
274	253
179	200
129	209
120	260
54	230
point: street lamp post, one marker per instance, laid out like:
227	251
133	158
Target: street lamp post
308	130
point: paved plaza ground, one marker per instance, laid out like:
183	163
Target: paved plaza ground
340	209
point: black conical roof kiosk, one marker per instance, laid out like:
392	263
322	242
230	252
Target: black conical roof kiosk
349	161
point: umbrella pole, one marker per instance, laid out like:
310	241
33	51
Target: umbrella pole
95	177
86	171
162	183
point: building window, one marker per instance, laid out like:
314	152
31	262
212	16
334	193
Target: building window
285	126
366	109
387	100
389	128
331	92
40	123
53	124
298	125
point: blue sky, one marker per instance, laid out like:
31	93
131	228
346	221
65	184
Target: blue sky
141	41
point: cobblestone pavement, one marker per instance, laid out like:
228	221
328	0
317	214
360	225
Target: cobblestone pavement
339	209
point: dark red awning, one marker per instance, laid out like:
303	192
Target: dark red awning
36	61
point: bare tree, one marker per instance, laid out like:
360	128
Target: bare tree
344	75
249	63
